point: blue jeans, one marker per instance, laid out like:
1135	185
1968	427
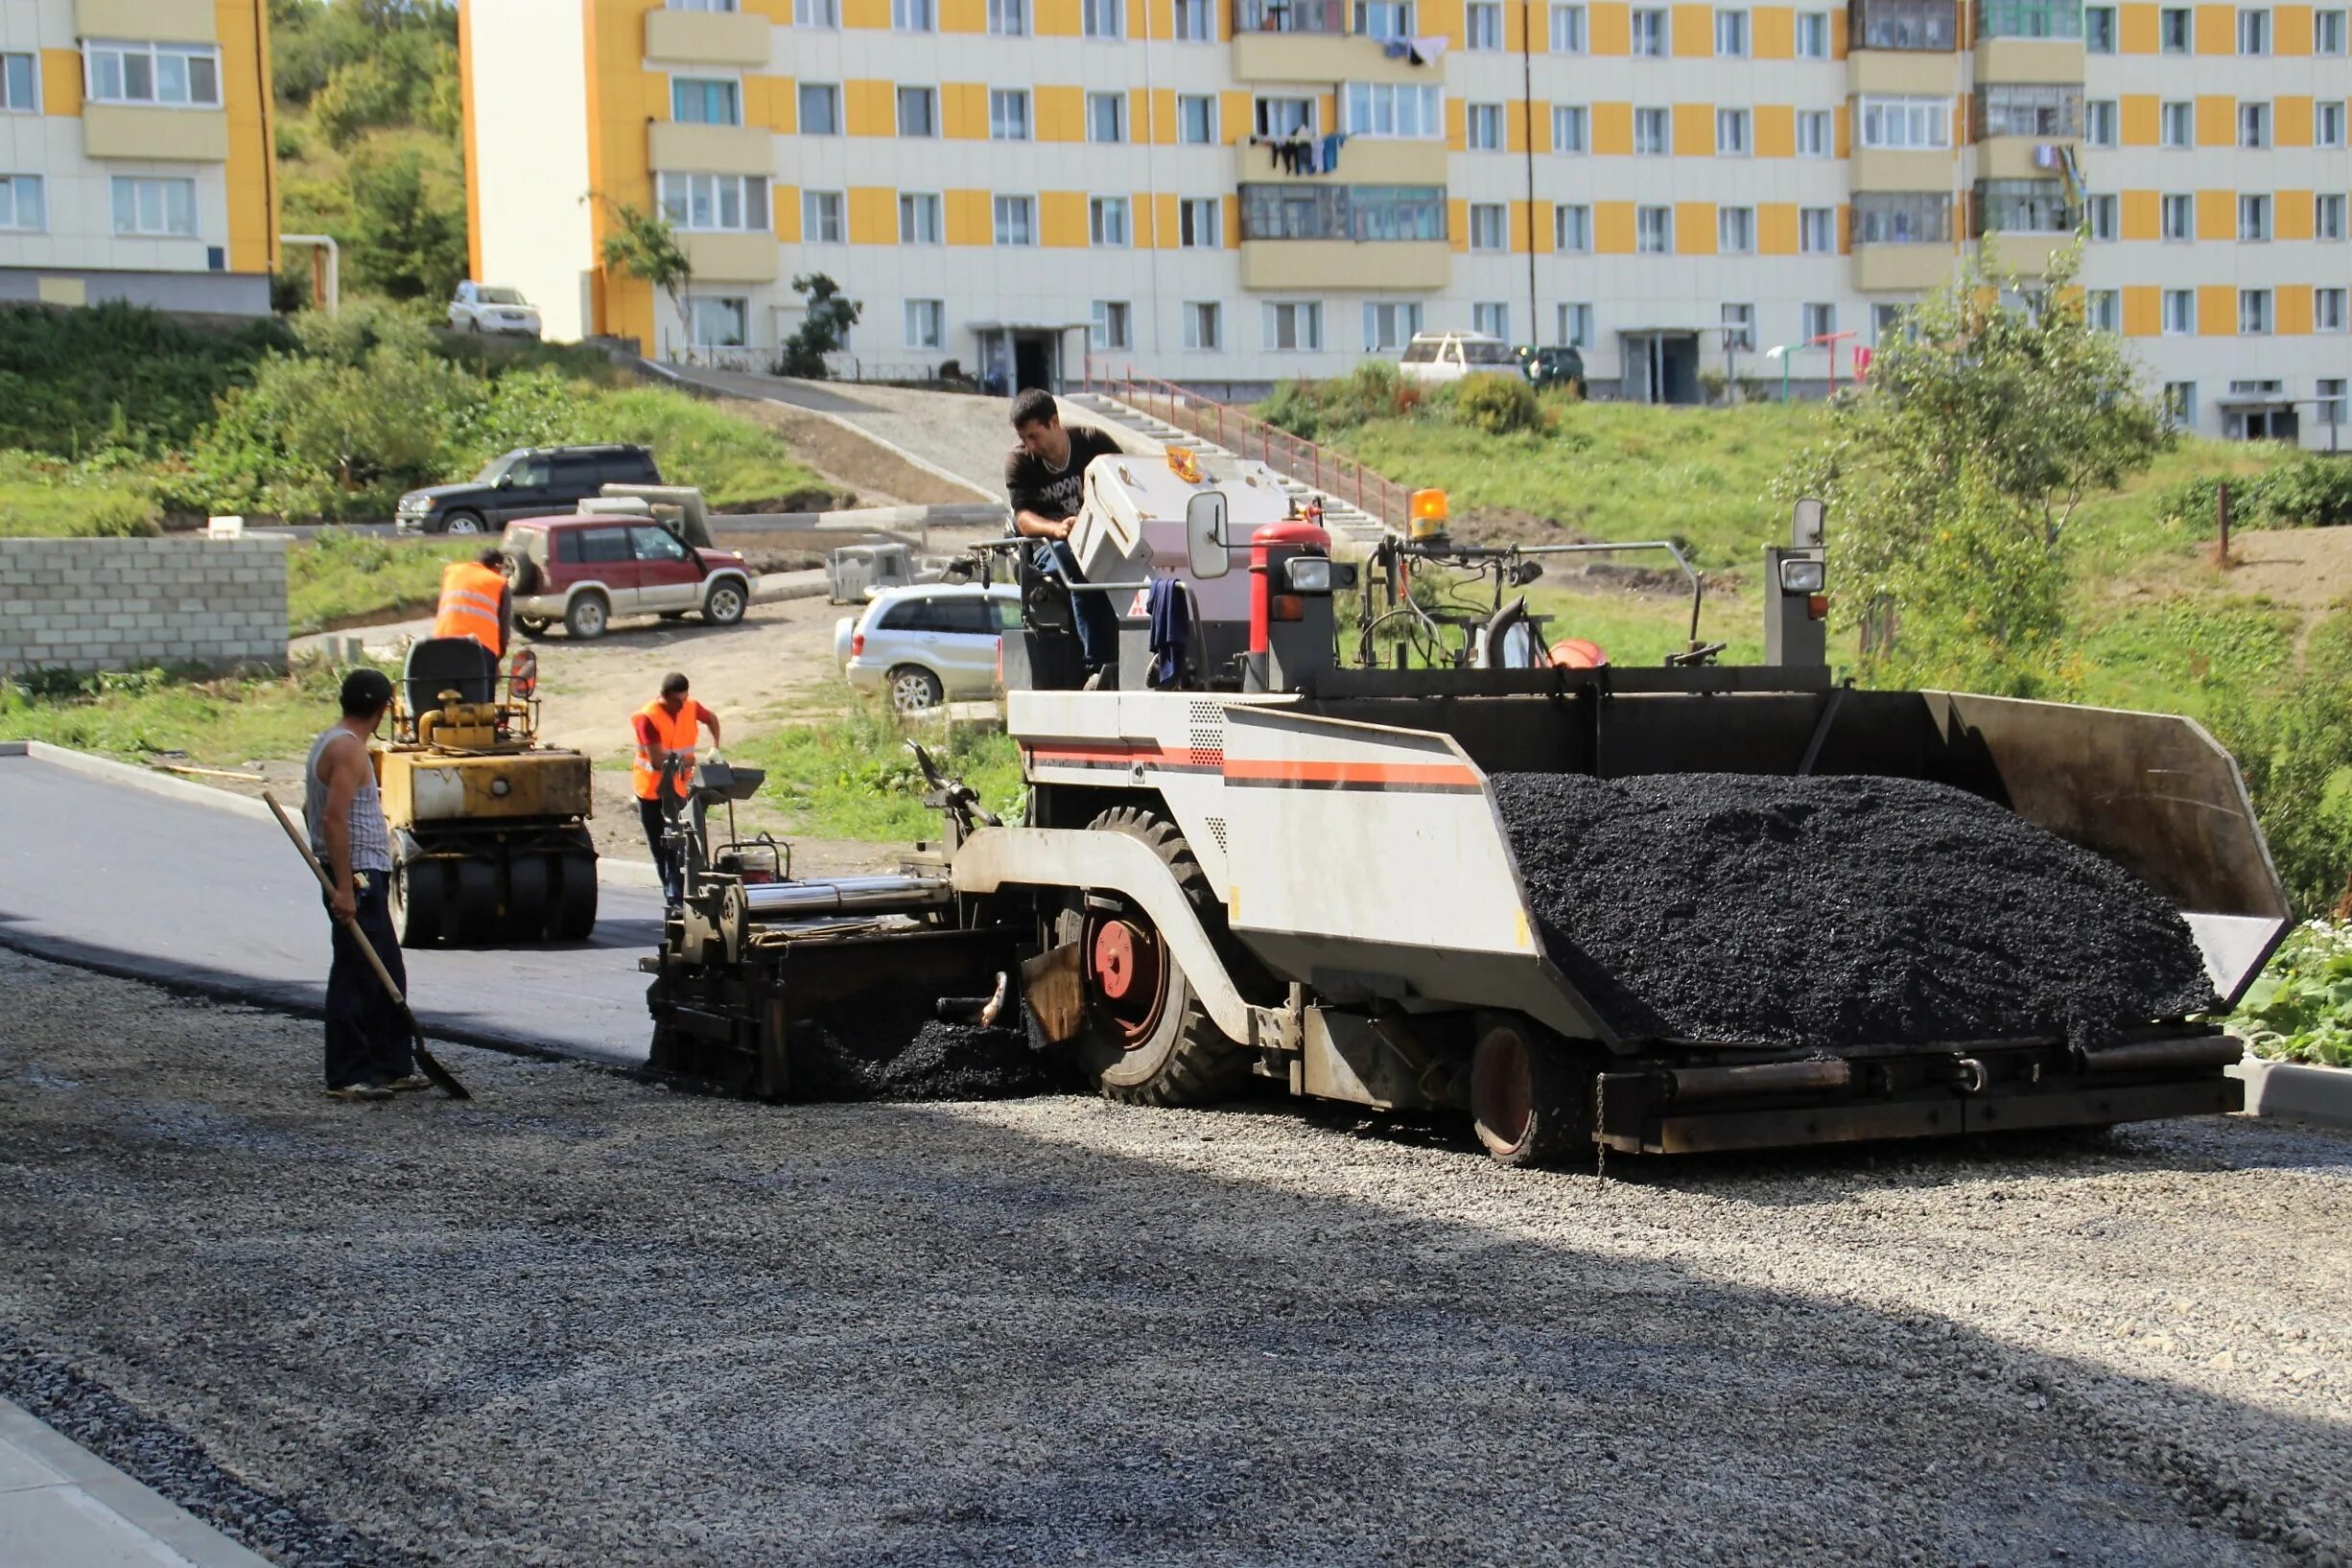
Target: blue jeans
367	1035
1097	626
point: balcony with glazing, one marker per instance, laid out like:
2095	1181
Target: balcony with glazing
1326	40
1902	46
684	36
2021	224
2029	41
1902	241
1345	237
2026	131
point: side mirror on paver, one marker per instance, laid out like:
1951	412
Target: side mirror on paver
1204	542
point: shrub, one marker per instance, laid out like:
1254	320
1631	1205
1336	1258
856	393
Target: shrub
2297	752
2308	492
1499	405
1373	390
74	381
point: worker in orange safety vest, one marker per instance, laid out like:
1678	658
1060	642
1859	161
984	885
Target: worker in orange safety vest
476	603
668	726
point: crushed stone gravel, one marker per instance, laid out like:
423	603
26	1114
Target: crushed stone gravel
586	1320
1753	909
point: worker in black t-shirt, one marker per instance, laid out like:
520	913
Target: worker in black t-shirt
1044	480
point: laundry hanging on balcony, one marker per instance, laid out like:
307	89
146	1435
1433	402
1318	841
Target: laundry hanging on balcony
1415	51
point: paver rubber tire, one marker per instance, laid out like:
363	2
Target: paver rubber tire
1531	1097
418	900
463	523
575	898
913	690
1178	1056
725	605
586	618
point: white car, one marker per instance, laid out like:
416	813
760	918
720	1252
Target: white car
930	643
485	307
1450	355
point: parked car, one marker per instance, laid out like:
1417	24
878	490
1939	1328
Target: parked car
930	643
531	481
489	307
1449	356
1553	367
586	570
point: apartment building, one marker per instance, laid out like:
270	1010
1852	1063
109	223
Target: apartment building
1239	191
135	153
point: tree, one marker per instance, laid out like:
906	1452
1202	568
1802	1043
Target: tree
829	315
643	245
403	241
1952	475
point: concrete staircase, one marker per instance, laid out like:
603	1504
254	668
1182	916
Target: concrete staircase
1141	431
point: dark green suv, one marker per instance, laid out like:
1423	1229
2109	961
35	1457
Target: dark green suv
530	481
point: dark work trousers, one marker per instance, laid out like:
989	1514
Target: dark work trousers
1098	622
671	873
367	1037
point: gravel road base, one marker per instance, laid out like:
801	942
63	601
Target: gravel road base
583	1320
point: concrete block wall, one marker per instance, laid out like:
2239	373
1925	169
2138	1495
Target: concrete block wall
91	604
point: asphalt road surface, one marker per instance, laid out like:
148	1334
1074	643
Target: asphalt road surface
114	877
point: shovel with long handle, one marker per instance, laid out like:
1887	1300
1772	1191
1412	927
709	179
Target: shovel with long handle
442	1078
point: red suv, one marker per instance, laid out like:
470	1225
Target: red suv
585	571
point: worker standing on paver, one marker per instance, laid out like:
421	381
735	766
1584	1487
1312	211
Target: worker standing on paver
668	726
367	1040
476	603
1044	482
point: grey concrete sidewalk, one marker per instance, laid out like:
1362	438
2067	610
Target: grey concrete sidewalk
960	434
60	1504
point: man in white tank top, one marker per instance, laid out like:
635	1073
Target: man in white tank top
369	1051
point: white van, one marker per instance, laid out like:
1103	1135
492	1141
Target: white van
1449	356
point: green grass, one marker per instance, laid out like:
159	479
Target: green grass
341	578
850	775
46	498
735	462
2187	654
2126	530
214	721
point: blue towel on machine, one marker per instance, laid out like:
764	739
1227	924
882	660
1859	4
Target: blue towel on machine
1172	628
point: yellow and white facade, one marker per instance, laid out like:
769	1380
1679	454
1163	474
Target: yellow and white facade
136	153
1677	189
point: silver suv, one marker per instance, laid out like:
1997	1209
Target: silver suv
930	643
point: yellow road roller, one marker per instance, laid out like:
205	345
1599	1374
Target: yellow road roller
489	826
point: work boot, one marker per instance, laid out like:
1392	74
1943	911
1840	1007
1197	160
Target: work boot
409	1084
360	1091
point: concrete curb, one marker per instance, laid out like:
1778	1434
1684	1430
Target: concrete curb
93	1512
2291	1092
611	872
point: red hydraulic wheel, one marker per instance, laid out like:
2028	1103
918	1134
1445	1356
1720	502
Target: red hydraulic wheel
1128	972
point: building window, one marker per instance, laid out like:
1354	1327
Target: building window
1343	212
1111	328
2327	31
2181	403
2099	29
1813	34
721	203
2179	319
1483	127
1106	117
1649	31
2254	311
1490	226
2177	125
1738	327
2177	216
2327	124
1731	140
2327	216
21	209
820	218
1569	30
1482	25
1385	108
819	14
926	323
155	206
1887	323
1653	134
2253	218
1571	127
1015	220
918	111
1008	114
1294	326
1390	325
2104	310
2099	216
2331	406
2008	109
914	16
1820	321
702	101
820	109
1106	220
2023	206
1283	117
1731	34
1104	18
1192	23
1902	218
1905	24
19	84
2327	310
2099	123
919	220
1735	230
699	4
1905	123
2173	35
172	74
1196	119
1202	328
1816	230
2253	32
1814	137
1654	230
2254	126
1572	228
2032	18
1200	223
1492	317
1384	19
1574	329
1008	18
719	321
